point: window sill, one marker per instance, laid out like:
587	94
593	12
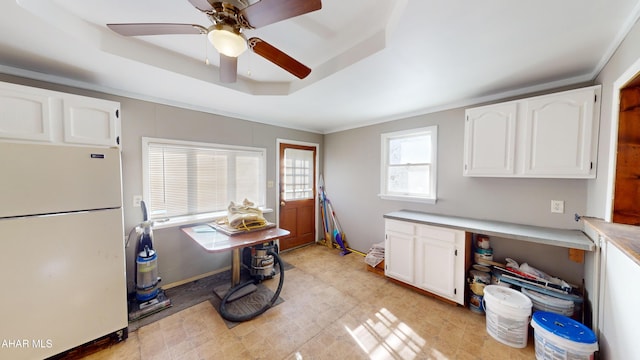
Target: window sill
408	199
194	219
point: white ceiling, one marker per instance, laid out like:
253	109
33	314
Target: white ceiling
371	60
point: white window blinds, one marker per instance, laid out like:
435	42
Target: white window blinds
184	178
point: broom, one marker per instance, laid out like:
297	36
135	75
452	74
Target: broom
337	233
323	206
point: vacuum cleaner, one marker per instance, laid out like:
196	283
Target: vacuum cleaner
147	278
260	261
149	297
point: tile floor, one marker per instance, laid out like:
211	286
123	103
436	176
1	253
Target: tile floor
334	309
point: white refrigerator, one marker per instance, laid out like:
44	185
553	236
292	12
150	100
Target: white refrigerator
62	257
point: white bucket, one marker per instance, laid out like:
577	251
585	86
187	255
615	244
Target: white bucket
508	312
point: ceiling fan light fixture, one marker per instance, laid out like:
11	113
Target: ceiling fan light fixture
227	41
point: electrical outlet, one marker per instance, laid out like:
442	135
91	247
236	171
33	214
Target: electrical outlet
137	199
557	206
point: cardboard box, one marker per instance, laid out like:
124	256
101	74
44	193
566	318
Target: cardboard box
379	269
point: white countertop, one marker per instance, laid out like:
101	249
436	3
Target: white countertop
574	239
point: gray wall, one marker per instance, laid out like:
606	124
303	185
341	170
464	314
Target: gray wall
352	176
179	258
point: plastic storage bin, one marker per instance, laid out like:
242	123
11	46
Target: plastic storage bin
558	337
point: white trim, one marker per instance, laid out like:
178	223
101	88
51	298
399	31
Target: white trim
408	199
317	172
618	85
384	138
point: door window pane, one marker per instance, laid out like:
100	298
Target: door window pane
298	174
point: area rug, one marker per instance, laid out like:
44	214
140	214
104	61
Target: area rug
195	292
247	304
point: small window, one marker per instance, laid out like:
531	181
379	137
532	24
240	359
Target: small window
298	171
408	165
188	180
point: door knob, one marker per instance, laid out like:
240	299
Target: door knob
282	203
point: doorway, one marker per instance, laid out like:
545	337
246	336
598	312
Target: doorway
626	199
297	193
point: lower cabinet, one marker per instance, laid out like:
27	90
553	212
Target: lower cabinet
427	257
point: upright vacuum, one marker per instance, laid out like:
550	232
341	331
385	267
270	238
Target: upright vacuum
149	297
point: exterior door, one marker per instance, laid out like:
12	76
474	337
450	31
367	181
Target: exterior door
297	194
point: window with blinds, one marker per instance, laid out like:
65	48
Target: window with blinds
186	178
409	165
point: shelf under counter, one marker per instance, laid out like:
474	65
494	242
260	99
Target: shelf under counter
572	239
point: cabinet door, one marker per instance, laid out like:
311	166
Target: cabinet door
91	121
558	134
619	310
436	260
25	113
490	133
398	257
399	251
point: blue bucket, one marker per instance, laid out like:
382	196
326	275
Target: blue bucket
560	337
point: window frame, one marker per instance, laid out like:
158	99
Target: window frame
385	138
208	216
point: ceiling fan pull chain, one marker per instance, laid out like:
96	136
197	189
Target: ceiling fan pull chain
206	53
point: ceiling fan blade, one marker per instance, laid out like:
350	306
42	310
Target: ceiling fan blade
140	29
267	12
202	5
228	69
278	57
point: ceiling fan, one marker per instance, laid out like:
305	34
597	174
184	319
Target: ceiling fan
229	19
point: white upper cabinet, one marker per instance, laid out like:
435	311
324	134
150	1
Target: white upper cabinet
559	134
44	116
91	121
490	140
550	136
24	114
